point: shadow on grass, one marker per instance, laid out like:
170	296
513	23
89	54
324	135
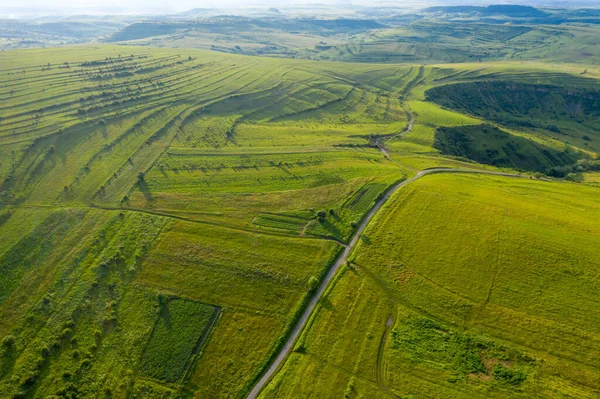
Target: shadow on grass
145	190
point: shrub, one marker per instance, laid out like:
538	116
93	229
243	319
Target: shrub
554	128
507	375
45	351
575	177
29	379
8	342
313	283
321	215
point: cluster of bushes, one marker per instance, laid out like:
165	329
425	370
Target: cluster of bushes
508	376
106	61
322	214
571	172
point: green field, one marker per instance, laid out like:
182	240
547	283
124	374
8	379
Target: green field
499	301
166	214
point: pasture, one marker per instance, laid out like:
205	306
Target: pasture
497	301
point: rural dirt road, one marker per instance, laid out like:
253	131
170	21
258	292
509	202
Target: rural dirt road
289	345
408	128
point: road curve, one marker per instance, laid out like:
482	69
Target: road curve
408	128
289	345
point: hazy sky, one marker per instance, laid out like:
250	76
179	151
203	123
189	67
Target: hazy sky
143	5
14	8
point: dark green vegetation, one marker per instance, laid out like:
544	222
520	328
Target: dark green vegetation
570	111
421	340
493	146
142	189
176	337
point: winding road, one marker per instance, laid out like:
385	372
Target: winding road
291	341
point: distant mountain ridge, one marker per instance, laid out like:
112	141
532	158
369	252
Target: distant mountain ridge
516	11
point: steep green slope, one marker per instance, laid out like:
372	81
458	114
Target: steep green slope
569	112
493	146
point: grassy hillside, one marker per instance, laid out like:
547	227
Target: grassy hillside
143	187
568	112
191	200
493	146
499	301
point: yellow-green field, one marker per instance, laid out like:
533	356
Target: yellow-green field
460	273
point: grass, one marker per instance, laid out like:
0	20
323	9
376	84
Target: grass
321	363
292	223
259	280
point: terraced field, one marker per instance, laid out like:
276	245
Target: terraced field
193	200
136	182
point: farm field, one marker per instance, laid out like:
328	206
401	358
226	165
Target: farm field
166	215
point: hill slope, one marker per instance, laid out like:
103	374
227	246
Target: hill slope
465	287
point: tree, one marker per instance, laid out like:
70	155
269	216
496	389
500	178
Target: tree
313	283
141	176
8	342
321	215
